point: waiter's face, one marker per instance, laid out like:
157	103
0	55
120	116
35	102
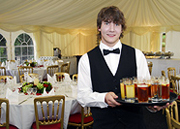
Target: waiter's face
110	33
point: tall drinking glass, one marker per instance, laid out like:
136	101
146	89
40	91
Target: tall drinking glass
142	90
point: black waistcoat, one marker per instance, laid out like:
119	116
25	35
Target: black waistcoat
104	81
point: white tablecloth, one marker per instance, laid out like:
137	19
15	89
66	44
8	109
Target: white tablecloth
42	71
23	115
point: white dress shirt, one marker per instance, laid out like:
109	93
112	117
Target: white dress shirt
86	96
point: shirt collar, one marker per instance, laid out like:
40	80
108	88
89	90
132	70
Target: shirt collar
103	46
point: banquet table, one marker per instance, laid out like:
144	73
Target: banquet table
41	71
23	115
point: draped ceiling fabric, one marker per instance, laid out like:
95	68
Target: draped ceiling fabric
71	24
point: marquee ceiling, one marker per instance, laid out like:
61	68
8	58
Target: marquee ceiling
81	14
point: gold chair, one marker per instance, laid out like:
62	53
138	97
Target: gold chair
49	107
3	78
83	119
5	125
30	74
150	65
23	69
171	72
176	87
75	77
163	73
172	116
2	71
11	60
60	76
52	69
65	67
60	62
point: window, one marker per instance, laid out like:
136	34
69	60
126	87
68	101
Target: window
24	47
3	49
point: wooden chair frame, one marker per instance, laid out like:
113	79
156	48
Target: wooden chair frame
4	70
176	86
171	71
6	101
83	116
5	77
150	65
65	67
172	116
52	69
30	74
75	77
23	69
60	76
47	120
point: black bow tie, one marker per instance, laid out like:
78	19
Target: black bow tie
106	52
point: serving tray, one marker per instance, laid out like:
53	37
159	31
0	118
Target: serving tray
173	97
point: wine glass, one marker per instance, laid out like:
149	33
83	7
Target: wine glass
34	90
29	91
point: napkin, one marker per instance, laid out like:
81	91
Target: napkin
67	77
29	79
50	79
51	92
12	96
3	64
11	82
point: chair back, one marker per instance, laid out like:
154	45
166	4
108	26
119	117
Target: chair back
65	67
150	65
60	62
175	84
171	72
163	73
3	79
6	102
86	118
23	69
52	69
60	76
49	107
11	60
33	75
172	116
2	71
75	77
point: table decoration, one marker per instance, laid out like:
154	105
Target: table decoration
32	64
41	86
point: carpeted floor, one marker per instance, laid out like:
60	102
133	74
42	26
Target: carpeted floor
152	120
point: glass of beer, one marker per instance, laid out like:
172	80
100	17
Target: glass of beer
130	90
165	88
142	90
122	88
156	89
135	84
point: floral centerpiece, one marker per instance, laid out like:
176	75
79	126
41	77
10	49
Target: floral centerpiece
32	64
40	87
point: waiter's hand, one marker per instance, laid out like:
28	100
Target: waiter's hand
158	108
109	99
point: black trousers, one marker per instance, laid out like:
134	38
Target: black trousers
122	117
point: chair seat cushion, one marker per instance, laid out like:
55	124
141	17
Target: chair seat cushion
10	127
52	126
178	95
76	118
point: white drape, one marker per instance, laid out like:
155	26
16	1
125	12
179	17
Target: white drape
71	24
